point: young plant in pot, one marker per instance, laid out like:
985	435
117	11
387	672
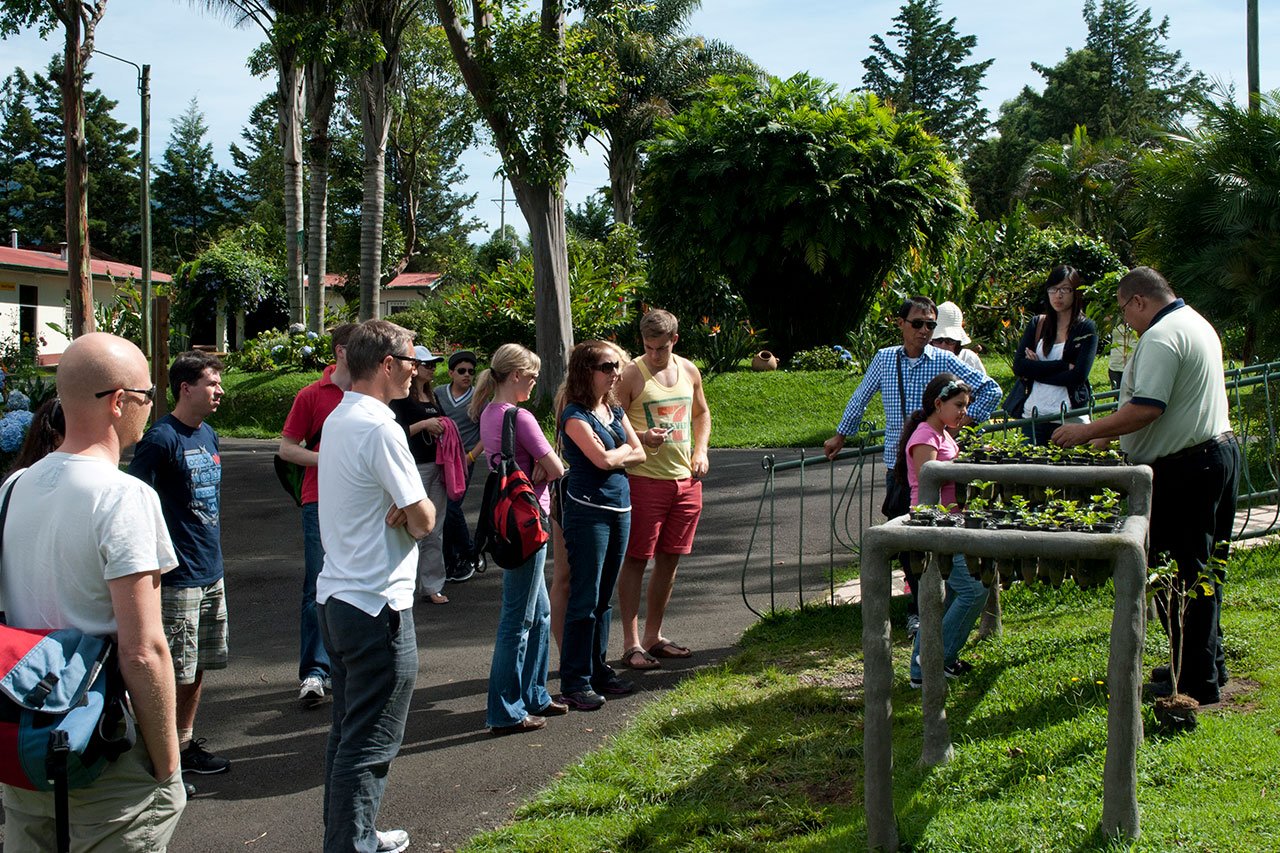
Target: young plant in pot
1176	713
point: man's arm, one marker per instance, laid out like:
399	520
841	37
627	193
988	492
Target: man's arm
417	518
857	405
701	417
291	450
146	666
1130	417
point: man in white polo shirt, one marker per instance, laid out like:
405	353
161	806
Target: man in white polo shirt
1173	416
373	508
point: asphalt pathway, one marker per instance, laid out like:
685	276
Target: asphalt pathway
451	779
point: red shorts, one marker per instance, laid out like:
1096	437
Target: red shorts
664	516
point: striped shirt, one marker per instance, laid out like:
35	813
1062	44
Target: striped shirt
882	376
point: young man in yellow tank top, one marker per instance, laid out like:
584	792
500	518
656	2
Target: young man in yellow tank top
662	395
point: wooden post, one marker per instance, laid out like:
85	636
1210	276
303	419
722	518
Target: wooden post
160	357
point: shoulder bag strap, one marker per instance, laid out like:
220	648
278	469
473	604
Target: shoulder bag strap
4	515
509	432
902	393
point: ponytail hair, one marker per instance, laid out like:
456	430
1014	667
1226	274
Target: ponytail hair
507	359
943	387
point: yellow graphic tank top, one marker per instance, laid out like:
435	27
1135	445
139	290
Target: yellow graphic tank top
661	406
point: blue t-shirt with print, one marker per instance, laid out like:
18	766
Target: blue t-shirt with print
182	464
585	482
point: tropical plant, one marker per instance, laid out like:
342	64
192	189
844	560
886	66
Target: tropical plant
295	349
1208	207
796	198
824	358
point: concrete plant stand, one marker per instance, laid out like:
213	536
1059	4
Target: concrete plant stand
1124	549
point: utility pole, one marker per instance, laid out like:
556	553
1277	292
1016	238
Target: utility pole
1255	88
502	208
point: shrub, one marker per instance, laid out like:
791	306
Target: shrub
423	319
256	404
295	349
824	358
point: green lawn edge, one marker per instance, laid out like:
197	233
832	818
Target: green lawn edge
764	752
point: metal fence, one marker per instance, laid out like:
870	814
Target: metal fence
849	502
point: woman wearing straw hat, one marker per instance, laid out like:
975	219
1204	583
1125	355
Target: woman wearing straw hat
950	336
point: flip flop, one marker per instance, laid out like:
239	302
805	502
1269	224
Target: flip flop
646	661
668	649
438	598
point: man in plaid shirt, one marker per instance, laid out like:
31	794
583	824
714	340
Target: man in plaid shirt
920	363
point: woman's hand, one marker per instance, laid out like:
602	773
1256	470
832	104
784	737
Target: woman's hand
1030	354
431	425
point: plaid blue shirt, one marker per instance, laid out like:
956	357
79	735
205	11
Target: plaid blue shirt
882	376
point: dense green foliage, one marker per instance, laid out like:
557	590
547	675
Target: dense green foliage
234	269
793	197
927	72
1208	203
187	189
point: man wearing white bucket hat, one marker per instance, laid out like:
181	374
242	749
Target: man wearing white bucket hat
950	336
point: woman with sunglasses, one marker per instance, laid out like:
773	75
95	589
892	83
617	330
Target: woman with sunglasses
518	698
420	416
599	443
1052	363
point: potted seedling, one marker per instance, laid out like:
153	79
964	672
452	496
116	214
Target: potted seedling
1176	713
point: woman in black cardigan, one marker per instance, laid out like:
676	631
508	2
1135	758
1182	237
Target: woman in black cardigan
1054	357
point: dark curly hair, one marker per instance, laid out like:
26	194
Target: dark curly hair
44	435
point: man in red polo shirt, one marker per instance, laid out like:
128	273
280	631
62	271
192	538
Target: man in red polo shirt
300	444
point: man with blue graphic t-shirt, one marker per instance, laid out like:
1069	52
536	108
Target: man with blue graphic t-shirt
179	458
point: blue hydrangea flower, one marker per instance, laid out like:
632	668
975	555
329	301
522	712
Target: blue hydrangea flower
17	402
307	350
13	430
2	378
845	355
296	328
311	336
277	349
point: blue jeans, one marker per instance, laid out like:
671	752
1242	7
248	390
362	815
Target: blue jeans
375	665
963	604
458	544
594	542
312	658
518	673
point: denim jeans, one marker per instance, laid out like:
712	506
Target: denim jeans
963	604
312	658
594	542
458	544
375	665
518	673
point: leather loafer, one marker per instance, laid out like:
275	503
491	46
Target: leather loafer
530	723
554	709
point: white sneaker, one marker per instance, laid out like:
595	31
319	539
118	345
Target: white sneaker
392	841
312	692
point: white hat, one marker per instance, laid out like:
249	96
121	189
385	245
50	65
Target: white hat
950	324
424	355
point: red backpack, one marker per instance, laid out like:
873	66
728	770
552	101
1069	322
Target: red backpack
513	525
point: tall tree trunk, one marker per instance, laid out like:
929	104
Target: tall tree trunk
624	165
543	209
375	121
319	97
79	278
289	88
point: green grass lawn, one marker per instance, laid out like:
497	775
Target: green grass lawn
764	753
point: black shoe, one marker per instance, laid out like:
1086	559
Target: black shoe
614	686
196	759
1161	673
1160	689
480	564
583	700
959	669
461	572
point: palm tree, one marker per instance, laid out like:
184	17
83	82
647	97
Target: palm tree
388	20
659	68
1208	205
321	77
274	17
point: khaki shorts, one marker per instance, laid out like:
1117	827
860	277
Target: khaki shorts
195	621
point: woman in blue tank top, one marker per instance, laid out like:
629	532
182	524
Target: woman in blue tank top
599	444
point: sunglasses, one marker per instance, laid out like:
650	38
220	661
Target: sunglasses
149	393
607	367
464	371
918	323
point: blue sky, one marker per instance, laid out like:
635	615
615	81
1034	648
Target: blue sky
194	54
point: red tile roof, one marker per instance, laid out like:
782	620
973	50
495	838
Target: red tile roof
52	262
331	279
415	280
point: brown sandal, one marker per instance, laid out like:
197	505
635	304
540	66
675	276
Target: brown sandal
668	649
646	661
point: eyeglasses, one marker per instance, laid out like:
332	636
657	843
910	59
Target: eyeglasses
149	393
1061	291
464	371
416	362
918	323
1127	301
608	367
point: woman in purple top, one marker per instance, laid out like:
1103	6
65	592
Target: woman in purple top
518	697
926	437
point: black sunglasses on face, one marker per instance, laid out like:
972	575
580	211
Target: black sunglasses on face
918	323
608	367
149	393
464	371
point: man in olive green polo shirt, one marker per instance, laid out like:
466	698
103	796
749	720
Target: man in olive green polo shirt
1173	416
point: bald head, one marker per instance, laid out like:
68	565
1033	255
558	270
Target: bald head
90	365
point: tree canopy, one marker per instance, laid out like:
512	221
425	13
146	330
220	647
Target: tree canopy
793	197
